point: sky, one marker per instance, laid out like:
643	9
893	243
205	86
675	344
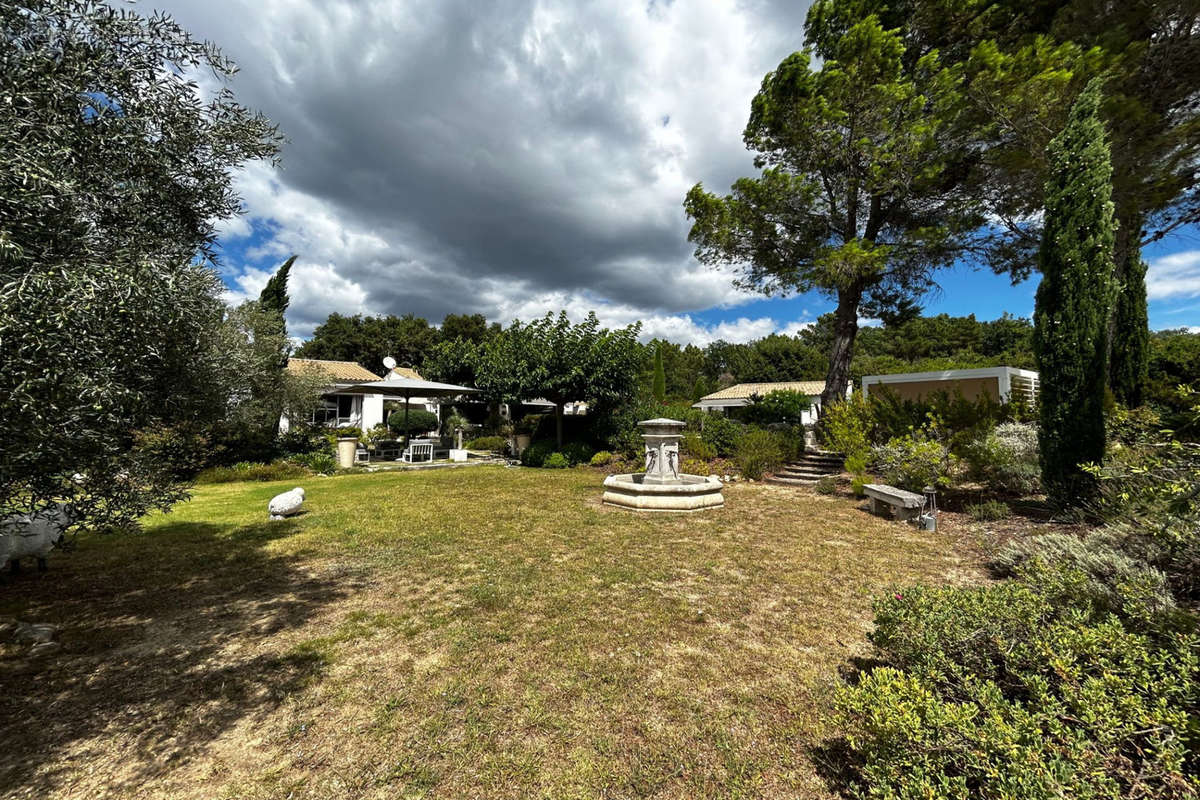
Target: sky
516	157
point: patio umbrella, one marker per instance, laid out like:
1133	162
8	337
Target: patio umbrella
408	388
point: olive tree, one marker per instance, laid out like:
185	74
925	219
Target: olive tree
114	169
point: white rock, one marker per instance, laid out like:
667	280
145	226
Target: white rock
286	504
33	535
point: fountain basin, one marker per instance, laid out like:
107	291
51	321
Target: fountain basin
691	493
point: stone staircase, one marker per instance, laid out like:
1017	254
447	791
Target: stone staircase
812	466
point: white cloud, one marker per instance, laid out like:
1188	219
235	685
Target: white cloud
1174	275
448	156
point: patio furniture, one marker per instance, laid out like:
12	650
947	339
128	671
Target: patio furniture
362	455
903	505
388	449
419	450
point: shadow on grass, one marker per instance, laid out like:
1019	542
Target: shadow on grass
837	765
167	643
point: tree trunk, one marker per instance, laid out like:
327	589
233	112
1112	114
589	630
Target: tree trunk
845	330
558	422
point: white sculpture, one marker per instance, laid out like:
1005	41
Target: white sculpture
33	535
286	504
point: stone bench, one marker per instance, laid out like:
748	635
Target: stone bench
904	505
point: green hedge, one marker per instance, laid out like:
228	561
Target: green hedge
495	443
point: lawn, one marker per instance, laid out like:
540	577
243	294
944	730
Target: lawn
484	632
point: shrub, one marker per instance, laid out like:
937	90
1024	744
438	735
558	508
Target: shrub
826	485
1006	459
320	462
556	461
577	452
998	692
987	511
494	443
1110	725
782	405
602	459
528	424
331	436
300	439
913	462
721	434
1088	572
758	452
379	433
695	466
419	421
246	471
535	455
846	427
962	420
693	444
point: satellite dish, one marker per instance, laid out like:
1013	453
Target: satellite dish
389	362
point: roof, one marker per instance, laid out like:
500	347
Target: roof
404	372
948	375
338	371
744	391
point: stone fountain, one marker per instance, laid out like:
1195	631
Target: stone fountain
662	487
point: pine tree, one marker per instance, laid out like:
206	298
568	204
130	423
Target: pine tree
1074	301
659	388
274	296
1129	368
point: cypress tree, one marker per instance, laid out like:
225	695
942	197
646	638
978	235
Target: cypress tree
1129	367
659	388
274	296
1074	300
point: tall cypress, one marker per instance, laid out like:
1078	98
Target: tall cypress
274	295
659	388
1074	301
1129	367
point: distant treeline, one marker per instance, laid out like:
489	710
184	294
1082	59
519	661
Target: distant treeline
912	345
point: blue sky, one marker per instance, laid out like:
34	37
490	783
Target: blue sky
522	156
966	290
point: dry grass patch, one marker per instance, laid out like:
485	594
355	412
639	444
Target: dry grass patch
468	633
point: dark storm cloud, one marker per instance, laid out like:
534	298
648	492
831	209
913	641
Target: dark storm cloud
449	156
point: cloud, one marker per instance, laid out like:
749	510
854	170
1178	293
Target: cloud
452	156
1174	275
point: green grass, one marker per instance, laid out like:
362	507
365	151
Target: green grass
483	632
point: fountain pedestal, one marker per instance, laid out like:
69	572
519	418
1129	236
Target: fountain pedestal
662	487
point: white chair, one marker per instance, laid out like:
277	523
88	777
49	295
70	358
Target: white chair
418	450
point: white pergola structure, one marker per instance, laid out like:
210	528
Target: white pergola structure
1002	383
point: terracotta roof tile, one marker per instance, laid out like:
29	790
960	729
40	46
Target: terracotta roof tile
338	371
743	391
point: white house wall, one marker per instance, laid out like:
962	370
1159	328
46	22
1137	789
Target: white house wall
372	411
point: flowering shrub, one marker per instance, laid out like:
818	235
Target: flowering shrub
913	462
1006	459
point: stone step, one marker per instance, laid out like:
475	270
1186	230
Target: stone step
782	481
810	465
819	462
830	467
805	474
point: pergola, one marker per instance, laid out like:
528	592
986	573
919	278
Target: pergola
409	388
